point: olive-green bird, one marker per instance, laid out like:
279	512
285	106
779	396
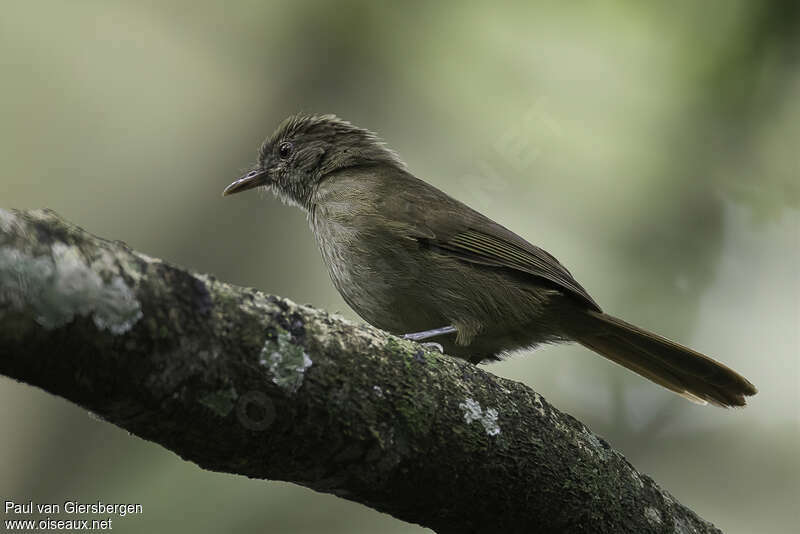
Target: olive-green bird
412	260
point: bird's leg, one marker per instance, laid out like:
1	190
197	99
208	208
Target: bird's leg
427	334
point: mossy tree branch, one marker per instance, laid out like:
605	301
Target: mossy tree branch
242	382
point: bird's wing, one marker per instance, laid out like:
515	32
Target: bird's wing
495	249
437	220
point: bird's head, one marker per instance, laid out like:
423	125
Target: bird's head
304	150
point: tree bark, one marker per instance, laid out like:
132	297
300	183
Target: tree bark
243	382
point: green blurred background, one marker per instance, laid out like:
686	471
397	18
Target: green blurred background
654	148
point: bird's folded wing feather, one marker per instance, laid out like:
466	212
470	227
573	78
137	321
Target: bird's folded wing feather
455	228
477	246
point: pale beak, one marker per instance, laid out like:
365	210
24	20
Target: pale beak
250	180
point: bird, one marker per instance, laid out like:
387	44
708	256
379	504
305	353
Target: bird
414	261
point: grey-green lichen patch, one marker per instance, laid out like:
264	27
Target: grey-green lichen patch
60	285
538	405
137	274
681	526
590	443
220	402
8	222
473	412
286	361
652	515
637	480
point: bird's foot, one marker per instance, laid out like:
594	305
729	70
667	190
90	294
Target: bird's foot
433	346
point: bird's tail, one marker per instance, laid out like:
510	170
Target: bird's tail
680	369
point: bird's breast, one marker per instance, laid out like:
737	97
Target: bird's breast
372	270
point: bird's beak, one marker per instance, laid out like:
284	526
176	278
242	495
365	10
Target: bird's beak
250	180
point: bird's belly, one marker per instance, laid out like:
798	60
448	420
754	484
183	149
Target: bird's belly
399	287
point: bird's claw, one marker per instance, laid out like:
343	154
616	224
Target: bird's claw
433	346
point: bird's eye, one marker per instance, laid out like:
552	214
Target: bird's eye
285	150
